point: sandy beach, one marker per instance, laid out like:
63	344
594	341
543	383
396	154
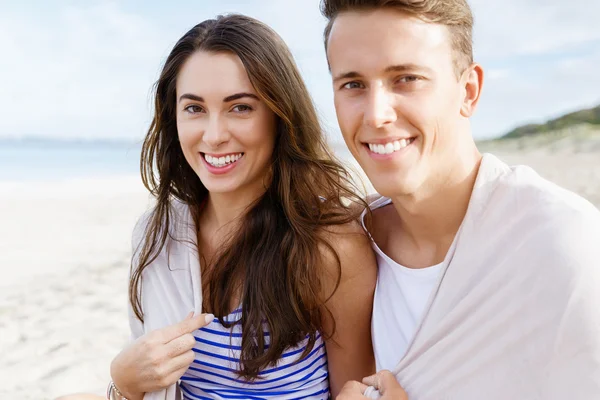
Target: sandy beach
64	259
64	256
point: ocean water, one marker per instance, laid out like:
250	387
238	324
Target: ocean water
48	160
58	160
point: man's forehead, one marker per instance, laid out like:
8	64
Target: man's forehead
384	38
386	20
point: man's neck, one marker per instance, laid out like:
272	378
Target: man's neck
431	217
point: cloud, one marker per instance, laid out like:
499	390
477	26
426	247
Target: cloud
526	27
540	59
83	72
85	69
522	95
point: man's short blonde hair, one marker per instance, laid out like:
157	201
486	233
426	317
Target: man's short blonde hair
455	14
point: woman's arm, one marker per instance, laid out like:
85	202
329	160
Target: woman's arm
157	359
349	350
153	360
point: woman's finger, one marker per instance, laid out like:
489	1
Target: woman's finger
172	371
180	345
182	361
176	375
188	325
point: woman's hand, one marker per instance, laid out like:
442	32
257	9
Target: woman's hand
158	359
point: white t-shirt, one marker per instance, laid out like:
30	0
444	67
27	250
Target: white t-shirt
400	299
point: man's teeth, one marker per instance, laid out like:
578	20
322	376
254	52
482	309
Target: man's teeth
222	161
390	147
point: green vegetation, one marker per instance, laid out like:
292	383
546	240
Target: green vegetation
590	116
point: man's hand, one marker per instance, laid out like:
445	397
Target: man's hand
352	390
384	381
388	386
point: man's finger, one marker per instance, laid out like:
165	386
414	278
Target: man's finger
353	387
371	381
390	387
387	381
383	378
188	325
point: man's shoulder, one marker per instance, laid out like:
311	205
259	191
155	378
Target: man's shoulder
518	215
546	221
530	192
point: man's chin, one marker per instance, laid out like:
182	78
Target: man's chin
388	182
388	188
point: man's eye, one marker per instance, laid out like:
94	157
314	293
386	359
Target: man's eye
408	79
352	85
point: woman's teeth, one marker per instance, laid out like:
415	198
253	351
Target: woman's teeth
222	161
390	147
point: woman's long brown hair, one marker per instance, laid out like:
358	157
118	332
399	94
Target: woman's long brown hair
275	261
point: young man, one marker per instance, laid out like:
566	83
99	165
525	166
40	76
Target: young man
489	275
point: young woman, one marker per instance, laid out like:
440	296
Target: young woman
254	223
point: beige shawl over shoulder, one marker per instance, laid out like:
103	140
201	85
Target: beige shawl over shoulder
516	313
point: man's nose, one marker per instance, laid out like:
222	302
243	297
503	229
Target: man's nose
379	108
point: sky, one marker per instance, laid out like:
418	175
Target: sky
85	69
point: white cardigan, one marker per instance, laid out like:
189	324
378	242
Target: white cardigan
168	294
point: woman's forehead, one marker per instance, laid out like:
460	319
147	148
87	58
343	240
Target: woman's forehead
209	73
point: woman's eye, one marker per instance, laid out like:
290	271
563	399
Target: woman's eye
242	108
193	109
352	85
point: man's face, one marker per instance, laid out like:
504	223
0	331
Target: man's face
397	97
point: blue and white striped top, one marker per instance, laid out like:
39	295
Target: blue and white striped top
213	375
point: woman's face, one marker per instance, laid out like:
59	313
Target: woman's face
227	134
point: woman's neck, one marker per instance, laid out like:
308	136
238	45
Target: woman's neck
223	211
219	219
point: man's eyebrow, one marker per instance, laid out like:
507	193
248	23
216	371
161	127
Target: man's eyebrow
347	75
238	96
407	68
392	68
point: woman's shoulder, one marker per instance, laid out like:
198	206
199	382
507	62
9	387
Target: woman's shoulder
343	234
352	246
140	227
179	224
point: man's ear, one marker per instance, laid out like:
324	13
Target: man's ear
472	81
